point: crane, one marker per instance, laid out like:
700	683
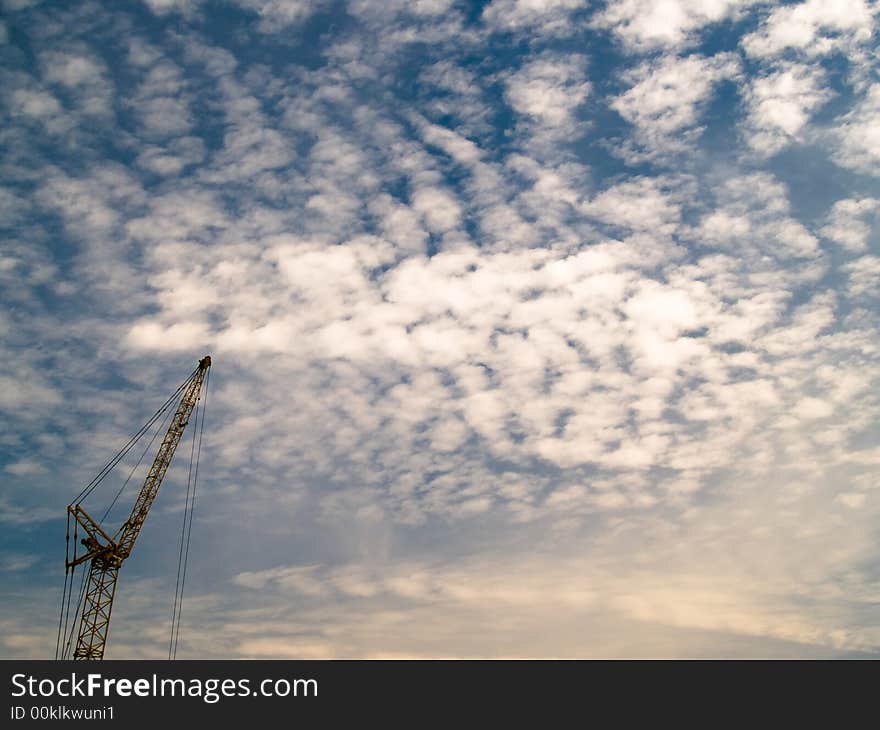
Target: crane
105	553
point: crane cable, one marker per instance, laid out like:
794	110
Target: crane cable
159	430
186	527
65	615
67	579
90	487
62	643
68	639
67	593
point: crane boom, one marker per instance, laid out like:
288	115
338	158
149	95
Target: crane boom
105	553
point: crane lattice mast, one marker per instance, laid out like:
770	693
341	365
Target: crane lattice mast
106	553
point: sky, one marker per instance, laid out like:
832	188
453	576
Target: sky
540	328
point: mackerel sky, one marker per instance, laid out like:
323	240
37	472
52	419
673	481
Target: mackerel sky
540	328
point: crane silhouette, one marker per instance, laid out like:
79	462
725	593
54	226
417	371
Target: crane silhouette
106	553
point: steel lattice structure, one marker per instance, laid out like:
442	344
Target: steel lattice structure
105	553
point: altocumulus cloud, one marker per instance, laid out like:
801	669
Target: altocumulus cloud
539	328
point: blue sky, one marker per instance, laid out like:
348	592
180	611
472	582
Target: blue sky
540	328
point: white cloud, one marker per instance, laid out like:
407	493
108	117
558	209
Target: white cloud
813	408
25	467
14	562
20	4
400	224
173	158
165	117
640	204
548	16
793	239
667	96
444	314
851	221
418	8
181	336
440	210
858	135
165	7
814	27
457	93
661	309
38	104
161	102
780	105
449	76
84	77
648	24
277	15
459	148
851	500
864	276
425	7
73	70
549	90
